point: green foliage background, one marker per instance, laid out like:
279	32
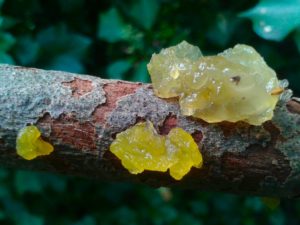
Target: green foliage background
115	39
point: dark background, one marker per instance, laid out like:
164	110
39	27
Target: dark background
115	39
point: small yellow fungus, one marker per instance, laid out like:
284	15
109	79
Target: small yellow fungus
235	85
30	144
140	148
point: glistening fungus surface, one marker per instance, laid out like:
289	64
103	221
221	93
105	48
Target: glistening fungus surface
30	144
141	148
235	85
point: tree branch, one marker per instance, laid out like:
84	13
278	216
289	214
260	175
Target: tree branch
80	115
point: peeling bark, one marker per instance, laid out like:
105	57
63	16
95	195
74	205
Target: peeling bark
79	87
80	115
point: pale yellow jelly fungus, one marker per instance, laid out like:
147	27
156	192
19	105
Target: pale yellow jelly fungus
140	148
30	144
235	85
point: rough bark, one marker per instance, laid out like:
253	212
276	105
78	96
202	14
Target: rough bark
81	115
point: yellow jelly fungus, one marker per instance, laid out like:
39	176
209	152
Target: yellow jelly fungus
30	144
140	148
235	85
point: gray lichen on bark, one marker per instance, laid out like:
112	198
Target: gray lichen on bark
289	143
19	107
139	105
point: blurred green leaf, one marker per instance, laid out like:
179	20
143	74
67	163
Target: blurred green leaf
144	12
67	63
297	38
87	220
166	215
111	27
254	204
277	218
27	50
67	43
64	53
2	215
141	73
124	216
71	5
53	181
6	41
117	69
224	26
187	218
4	191
27	182
199	207
6	59
1	3
273	19
7	22
3	173
28	219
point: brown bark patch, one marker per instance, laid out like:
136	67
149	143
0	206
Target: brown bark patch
69	131
197	136
140	120
169	123
113	92
293	106
79	87
257	162
252	166
274	132
45	120
230	128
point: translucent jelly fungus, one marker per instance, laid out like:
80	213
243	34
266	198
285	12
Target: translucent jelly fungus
235	85
30	144
140	148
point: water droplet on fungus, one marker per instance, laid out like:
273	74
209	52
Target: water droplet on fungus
141	148
29	143
235	85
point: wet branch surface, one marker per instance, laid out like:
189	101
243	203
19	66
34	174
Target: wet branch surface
80	116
